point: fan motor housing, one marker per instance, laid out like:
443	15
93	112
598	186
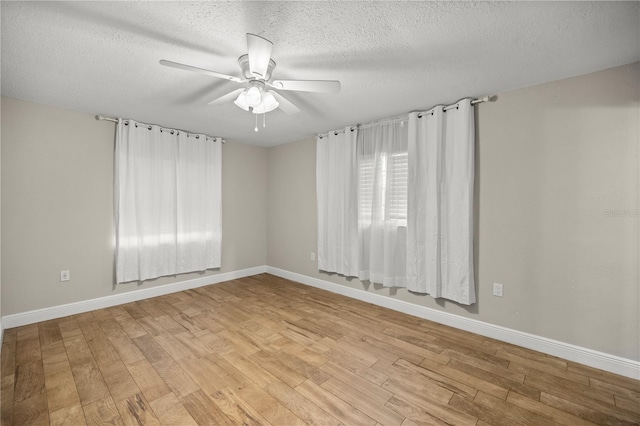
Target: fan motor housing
243	61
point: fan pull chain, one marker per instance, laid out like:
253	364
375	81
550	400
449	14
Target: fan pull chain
256	128
264	120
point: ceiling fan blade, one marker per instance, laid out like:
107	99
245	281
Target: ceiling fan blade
200	70
285	105
226	98
259	51
322	86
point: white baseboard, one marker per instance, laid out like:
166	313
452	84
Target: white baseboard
612	363
31	317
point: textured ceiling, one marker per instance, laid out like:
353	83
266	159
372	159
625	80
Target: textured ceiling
391	57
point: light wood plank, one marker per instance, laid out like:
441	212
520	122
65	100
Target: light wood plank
427	412
237	410
203	410
551	383
151	350
593	411
6	399
631	405
148	380
203	373
31	411
615	389
604	376
119	380
170	411
71	415
334	405
278	368
127	350
467	379
410	371
102	412
530	367
49	333
511	411
499	380
89	382
306	410
268	407
362	401
135	411
29	380
175	377
556	415
357	382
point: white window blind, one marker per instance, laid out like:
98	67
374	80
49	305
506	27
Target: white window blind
389	174
365	185
398	194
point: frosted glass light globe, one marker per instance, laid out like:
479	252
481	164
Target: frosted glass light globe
254	96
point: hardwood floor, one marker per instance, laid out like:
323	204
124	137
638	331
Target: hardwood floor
264	350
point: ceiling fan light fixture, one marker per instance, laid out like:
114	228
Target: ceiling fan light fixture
267	104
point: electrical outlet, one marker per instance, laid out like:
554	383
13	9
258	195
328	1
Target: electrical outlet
312	257
497	289
65	276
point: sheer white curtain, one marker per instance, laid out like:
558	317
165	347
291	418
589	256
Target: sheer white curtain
382	212
440	203
336	190
168	202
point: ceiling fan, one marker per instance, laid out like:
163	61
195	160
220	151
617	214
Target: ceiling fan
257	96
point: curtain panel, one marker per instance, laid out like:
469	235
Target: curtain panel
440	203
395	203
337	195
167	202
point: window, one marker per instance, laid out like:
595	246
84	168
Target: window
382	203
397	246
382	175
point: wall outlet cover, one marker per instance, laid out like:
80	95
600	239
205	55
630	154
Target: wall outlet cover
497	289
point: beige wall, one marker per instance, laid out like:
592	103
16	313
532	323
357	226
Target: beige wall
552	161
57	207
